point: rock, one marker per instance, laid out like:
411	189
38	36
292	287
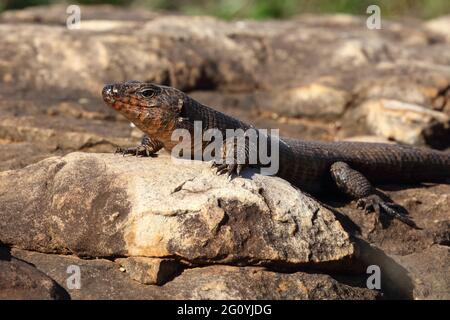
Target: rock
20	280
225	282
101	279
414	263
373	139
311	101
57	14
407	123
89	58
101	205
406	89
440	26
427	206
421	275
20	154
66	134
149	270
248	108
429	271
202	52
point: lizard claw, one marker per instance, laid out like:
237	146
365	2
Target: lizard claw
140	150
239	169
228	169
374	203
231	169
220	168
122	151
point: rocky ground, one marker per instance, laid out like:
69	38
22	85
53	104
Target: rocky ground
148	228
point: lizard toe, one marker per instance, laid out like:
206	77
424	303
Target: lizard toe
231	169
239	169
369	203
221	169
393	210
374	203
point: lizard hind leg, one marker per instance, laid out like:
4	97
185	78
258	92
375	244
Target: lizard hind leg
356	185
146	148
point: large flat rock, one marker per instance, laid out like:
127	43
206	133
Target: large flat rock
105	205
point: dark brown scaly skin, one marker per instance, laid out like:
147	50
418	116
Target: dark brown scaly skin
313	166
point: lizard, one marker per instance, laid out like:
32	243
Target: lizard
314	167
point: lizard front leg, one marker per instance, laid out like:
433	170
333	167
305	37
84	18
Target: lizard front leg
147	147
235	155
233	158
356	185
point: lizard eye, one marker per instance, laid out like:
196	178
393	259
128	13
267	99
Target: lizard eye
148	93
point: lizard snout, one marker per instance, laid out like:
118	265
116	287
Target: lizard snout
108	93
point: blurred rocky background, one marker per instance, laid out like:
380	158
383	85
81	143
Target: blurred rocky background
144	228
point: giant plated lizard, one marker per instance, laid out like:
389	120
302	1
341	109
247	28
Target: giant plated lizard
313	166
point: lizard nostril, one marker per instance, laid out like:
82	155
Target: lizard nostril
107	90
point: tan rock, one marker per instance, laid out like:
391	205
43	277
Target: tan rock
440	26
313	101
109	205
56	14
374	139
403	122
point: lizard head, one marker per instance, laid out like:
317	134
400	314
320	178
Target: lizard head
149	106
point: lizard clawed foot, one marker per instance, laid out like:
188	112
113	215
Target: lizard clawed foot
234	156
227	168
374	203
140	150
